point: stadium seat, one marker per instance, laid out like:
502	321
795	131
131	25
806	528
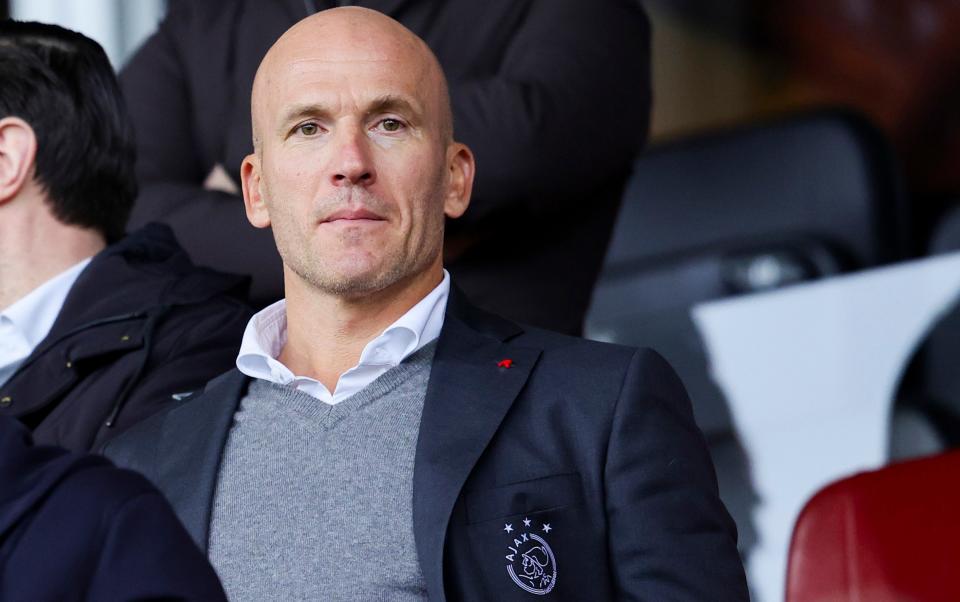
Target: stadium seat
886	536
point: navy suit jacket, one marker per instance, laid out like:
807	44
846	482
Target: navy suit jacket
545	464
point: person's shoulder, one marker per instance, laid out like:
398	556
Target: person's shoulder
597	361
78	483
576	353
555	344
153	253
565	360
98	485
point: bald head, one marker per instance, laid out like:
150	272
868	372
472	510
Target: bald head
354	169
344	36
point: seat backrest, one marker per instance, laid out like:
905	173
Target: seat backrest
827	175
740	211
887	535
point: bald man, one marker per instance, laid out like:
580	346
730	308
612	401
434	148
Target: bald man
528	81
383	439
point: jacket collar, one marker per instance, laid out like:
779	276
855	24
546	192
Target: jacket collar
467	398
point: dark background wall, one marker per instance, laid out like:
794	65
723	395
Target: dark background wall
895	61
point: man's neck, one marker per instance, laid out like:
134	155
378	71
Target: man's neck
35	247
326	334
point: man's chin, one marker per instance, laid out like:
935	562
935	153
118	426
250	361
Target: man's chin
355	279
355	285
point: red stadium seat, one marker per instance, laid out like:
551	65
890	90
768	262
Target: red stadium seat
888	535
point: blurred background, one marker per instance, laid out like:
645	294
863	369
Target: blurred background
726	63
786	239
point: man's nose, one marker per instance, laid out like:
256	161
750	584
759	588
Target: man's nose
353	163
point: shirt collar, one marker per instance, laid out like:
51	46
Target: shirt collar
34	314
266	334
414	329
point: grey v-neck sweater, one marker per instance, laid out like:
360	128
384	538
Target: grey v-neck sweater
314	501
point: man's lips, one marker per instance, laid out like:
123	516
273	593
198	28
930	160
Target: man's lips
351	215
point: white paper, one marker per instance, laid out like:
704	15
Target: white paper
810	373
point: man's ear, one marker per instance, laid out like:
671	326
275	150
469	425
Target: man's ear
18	153
462	168
253	201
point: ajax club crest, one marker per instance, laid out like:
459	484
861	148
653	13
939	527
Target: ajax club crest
531	564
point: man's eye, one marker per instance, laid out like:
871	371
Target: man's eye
309	129
391	125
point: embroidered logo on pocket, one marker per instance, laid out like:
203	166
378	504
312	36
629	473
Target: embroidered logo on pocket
532	564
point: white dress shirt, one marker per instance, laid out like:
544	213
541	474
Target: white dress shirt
266	334
27	322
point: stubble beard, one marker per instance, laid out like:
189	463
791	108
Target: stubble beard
397	264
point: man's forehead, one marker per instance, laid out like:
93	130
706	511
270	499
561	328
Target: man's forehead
333	82
353	55
367	68
290	58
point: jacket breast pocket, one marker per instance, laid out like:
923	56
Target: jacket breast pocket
525	497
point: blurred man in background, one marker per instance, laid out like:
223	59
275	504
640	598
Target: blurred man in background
97	330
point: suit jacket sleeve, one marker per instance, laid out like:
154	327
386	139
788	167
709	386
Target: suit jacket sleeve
568	110
670	536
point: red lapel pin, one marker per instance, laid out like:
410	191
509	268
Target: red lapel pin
505	363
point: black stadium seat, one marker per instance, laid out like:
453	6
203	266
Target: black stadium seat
743	210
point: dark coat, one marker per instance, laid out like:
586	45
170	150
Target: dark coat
140	324
553	96
73	527
594	444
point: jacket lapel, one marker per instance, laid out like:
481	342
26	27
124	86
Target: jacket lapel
467	398
192	443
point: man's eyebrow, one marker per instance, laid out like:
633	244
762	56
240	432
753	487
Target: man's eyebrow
297	112
393	103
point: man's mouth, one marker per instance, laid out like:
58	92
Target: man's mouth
357	215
